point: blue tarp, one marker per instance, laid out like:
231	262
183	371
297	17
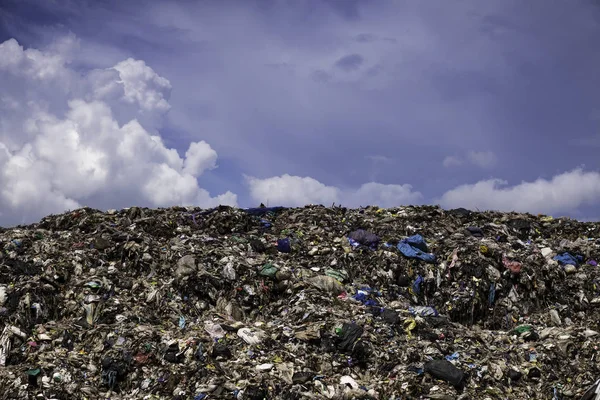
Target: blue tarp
567	258
415	247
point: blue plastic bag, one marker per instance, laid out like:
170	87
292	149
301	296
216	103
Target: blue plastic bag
567	258
284	246
415	247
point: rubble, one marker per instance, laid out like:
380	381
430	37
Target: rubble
299	303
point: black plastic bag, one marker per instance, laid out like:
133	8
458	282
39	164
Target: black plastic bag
349	335
446	371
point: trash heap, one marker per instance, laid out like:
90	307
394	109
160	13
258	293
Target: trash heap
300	303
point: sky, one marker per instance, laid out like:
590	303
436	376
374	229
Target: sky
483	105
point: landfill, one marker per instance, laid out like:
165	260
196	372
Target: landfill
300	303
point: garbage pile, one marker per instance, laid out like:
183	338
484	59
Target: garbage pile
300	303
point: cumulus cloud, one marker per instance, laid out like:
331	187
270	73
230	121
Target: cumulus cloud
199	158
288	190
69	139
31	63
562	193
452	161
143	86
291	191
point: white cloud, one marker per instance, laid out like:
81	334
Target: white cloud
292	191
452	161
563	193
68	139
199	158
144	86
483	159
30	63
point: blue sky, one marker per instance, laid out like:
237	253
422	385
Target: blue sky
489	105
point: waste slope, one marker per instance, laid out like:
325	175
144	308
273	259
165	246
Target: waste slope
299	303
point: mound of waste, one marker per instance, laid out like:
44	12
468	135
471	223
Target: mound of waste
300	303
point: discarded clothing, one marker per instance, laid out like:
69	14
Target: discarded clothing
364	238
